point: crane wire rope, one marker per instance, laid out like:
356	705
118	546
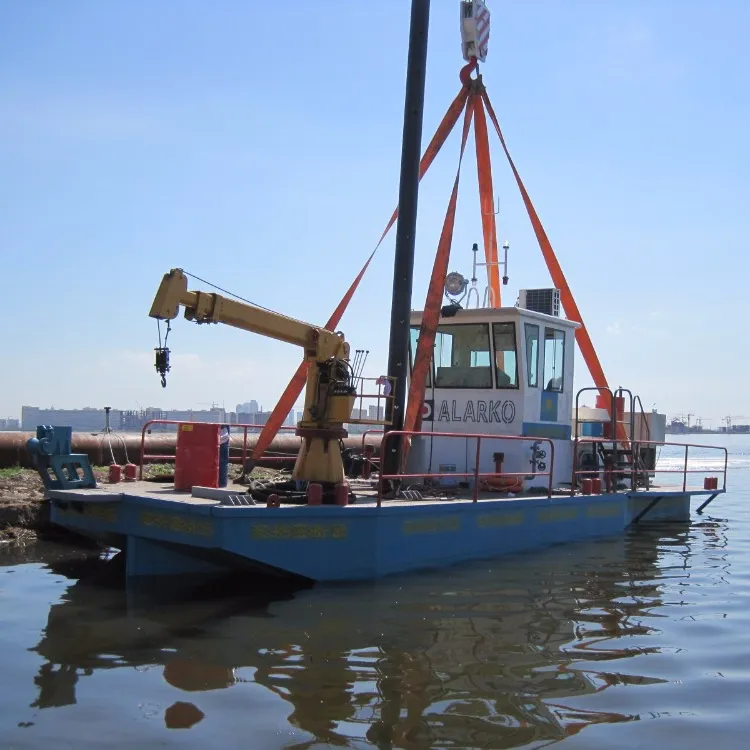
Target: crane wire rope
226	291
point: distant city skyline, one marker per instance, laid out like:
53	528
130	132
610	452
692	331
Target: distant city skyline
255	406
93	419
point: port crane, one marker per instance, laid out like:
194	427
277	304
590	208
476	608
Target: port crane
728	420
331	381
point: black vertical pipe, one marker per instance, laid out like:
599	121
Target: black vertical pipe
403	266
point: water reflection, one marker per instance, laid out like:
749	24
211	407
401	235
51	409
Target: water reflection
485	655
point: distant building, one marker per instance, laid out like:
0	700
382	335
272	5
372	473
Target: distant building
257	418
676	427
249	407
376	412
94	420
133	421
10	424
204	415
81	420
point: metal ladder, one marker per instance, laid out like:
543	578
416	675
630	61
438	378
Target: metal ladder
617	455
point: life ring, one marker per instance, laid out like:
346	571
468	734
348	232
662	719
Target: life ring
502	484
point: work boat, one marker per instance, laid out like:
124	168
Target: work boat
507	458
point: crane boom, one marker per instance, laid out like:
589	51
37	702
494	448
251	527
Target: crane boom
330	391
207	307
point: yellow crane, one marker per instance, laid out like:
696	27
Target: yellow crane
331	388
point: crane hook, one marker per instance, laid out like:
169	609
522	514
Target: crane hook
162	364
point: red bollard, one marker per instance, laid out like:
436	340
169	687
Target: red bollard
314	494
273	501
115	473
586	486
341	494
596	486
711	483
131	472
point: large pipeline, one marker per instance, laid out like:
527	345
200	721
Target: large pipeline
97	447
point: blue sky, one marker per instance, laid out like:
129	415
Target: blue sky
257	145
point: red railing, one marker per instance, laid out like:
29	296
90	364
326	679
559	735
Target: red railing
153	457
371	461
369	432
633	470
476	474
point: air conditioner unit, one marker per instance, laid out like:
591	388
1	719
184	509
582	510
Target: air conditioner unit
545	301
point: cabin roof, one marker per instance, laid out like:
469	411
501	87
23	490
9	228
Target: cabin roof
488	314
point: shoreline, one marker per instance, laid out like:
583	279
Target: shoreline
25	511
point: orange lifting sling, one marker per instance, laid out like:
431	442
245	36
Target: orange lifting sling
472	100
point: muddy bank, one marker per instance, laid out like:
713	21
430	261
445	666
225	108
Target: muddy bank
22	503
24	510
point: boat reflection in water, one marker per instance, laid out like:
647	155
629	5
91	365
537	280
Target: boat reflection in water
491	655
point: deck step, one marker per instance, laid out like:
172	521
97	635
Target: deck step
223	496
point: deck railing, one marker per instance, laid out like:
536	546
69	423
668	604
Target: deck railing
633	470
371	461
241	459
475	474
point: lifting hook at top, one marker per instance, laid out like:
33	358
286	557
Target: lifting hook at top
465	74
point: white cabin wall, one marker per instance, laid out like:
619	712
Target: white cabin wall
499	411
566	399
532	396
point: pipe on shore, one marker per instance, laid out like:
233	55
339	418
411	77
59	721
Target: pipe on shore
97	447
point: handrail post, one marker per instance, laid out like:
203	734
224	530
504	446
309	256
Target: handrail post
726	463
551	468
143	448
684	469
476	471
575	465
244	451
382	466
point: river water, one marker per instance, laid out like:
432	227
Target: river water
641	641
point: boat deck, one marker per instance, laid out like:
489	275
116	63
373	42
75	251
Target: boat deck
365	493
168	532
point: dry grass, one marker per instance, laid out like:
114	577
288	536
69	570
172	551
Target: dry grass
16	536
10	472
267	475
20	486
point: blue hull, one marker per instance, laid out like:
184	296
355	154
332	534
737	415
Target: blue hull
357	542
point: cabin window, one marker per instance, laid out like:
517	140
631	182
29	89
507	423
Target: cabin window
532	354
554	358
414	338
462	356
506	362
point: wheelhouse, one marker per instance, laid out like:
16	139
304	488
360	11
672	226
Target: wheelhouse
504	371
